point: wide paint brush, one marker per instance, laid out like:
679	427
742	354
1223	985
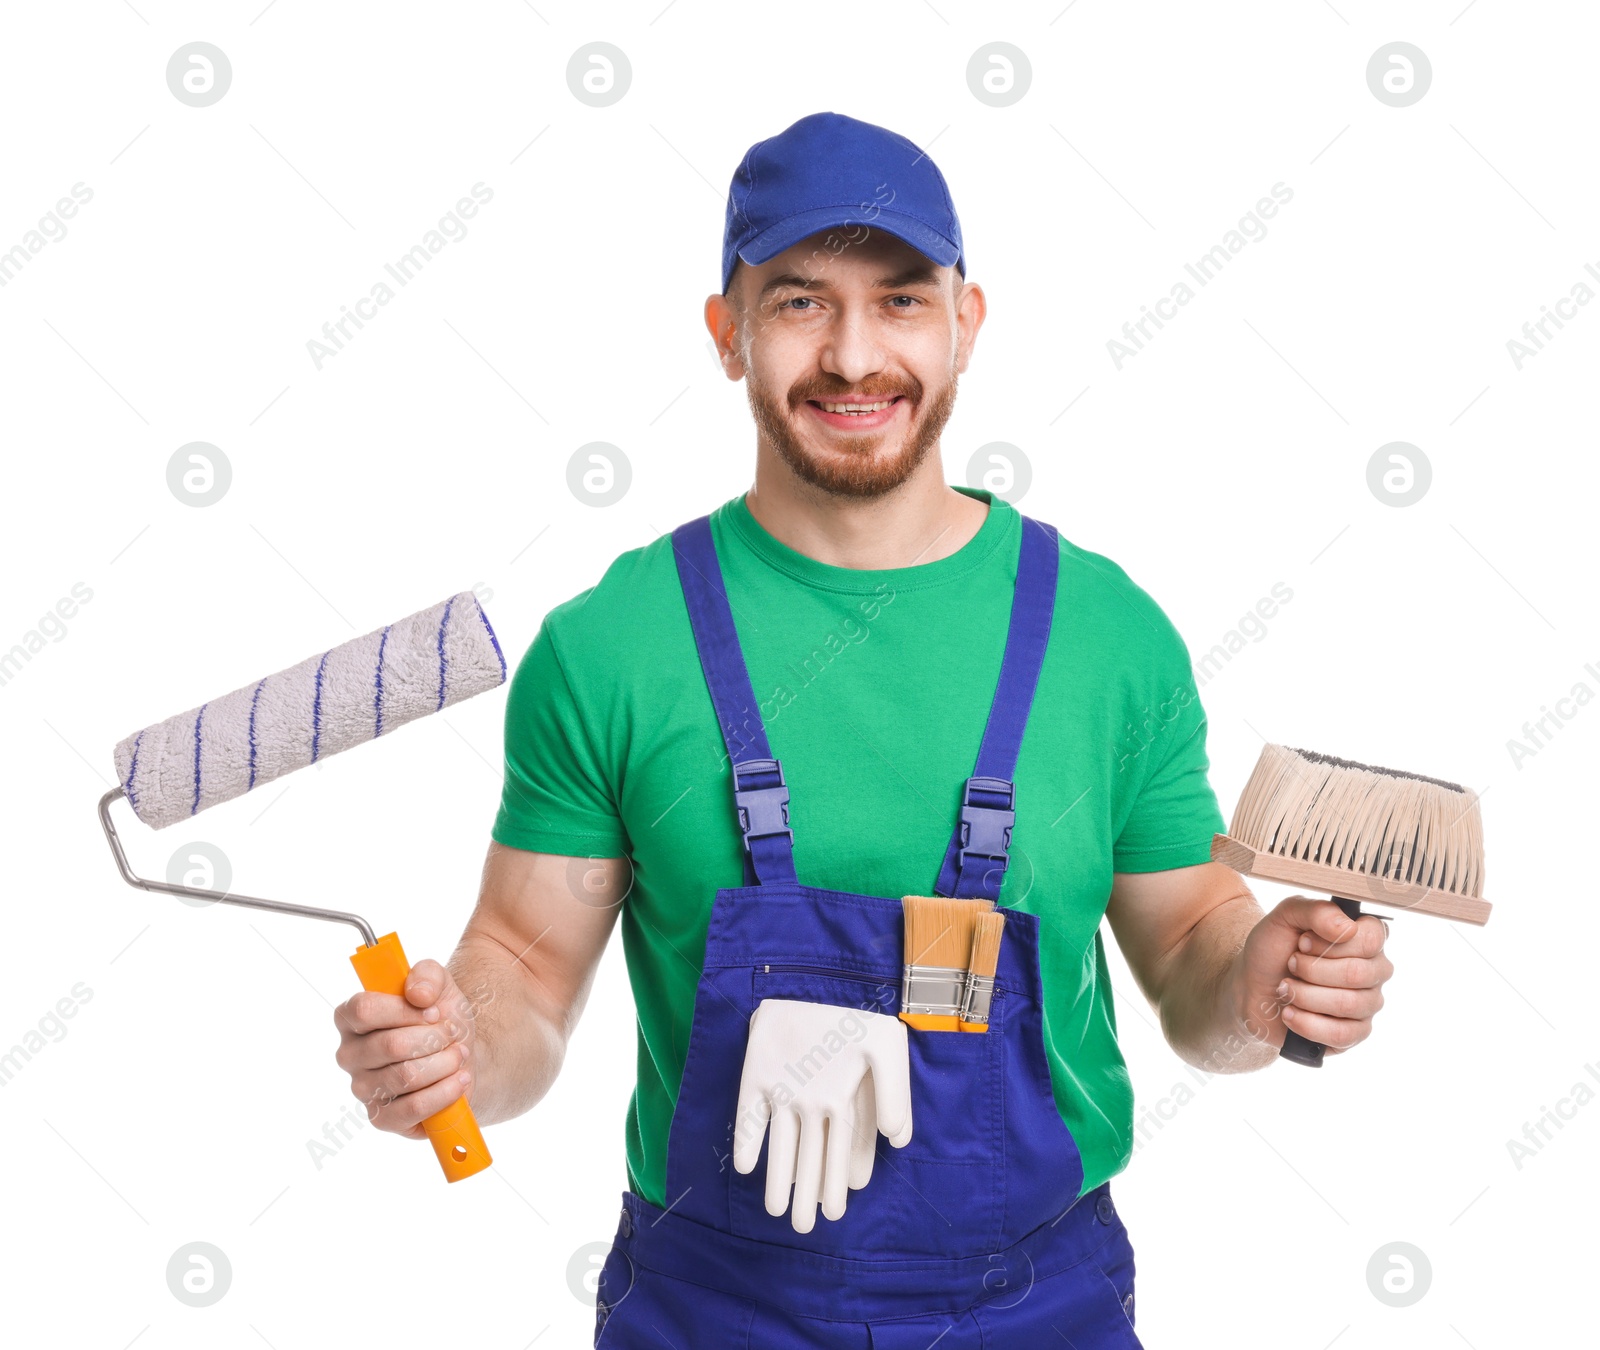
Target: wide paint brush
1358	832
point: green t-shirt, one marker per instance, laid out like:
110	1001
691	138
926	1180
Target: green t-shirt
874	686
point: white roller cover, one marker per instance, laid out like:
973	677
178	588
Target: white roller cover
329	702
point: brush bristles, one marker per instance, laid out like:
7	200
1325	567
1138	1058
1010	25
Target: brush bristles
939	929
1375	821
986	931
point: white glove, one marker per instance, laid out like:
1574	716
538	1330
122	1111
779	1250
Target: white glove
810	1063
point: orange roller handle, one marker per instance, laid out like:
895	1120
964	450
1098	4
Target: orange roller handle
453	1132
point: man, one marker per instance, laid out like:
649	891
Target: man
824	653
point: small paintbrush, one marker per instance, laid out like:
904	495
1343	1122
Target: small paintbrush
986	933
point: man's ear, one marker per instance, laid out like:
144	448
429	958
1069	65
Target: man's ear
722	322
971	308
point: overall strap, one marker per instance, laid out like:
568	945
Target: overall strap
760	797
978	855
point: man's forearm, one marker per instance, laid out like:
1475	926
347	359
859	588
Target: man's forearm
518	1046
1200	1004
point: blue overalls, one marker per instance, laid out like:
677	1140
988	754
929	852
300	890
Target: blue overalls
972	1234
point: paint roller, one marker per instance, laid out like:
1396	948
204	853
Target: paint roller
331	701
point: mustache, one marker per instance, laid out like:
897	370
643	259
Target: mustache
810	395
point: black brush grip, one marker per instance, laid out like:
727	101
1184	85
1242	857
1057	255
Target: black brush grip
1296	1048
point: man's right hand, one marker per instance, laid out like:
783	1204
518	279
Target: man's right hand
408	1057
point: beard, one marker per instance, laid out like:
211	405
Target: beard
867	464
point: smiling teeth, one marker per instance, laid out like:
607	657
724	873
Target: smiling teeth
857	408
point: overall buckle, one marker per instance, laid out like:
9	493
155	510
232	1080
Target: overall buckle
986	829
763	806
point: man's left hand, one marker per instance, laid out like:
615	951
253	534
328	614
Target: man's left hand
1308	967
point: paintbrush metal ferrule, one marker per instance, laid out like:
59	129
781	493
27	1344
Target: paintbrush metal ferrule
934	991
975	1004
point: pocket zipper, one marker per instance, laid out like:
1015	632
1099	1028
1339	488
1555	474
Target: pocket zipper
886	993
766	968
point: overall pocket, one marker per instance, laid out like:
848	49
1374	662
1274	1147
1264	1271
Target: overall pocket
659	1310
1082	1305
941	1193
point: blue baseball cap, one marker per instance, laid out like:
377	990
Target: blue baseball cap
827	171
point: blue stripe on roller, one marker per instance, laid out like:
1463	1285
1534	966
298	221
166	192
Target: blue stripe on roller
316	708
133	768
492	638
198	717
443	624
253	699
377	679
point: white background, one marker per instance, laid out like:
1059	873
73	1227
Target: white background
430	456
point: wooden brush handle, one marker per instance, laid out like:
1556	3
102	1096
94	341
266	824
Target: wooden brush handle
453	1132
1295	1046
